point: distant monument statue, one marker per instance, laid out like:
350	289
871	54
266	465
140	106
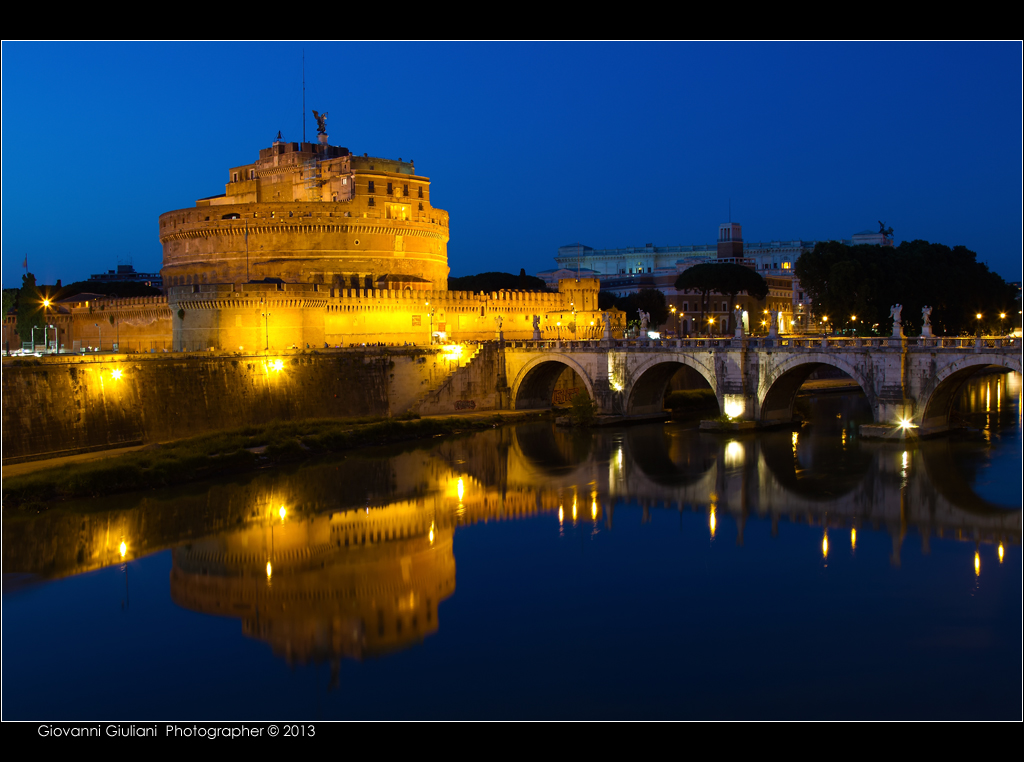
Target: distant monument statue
897	324
321	122
536	327
885	231
926	321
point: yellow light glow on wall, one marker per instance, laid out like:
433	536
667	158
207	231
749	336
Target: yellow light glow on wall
734	405
116	373
277	365
452	351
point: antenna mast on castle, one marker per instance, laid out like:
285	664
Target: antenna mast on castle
303	95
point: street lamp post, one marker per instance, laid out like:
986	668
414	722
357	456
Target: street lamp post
978	318
430	315
266	325
100	332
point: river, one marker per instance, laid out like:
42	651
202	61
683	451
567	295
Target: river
650	571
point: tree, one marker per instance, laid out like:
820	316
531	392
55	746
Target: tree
866	280
495	281
30	308
10	299
724	278
649	300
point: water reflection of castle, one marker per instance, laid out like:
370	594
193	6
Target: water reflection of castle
323	587
352	558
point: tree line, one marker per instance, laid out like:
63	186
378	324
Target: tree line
865	281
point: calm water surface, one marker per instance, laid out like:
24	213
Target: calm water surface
533	572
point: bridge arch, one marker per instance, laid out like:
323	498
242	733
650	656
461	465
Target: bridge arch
646	392
535	381
937	403
777	389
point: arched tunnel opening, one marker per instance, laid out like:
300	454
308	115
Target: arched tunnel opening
675	387
808	392
549	384
975	392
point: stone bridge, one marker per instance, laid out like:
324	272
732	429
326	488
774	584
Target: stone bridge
757	379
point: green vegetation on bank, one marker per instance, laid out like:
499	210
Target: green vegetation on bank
219	454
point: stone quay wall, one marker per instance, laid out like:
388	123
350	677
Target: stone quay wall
61	405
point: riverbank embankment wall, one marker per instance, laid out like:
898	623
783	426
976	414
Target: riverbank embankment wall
67	404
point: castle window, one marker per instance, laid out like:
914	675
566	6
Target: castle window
252	174
405	190
371	202
421	191
421	207
371	185
390	191
234	177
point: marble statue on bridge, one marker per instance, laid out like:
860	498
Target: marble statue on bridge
773	323
645	319
607	318
738	317
926	322
536	327
897	324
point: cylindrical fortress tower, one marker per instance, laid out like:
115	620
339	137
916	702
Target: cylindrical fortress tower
312	213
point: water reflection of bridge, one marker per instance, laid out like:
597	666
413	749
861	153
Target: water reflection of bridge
351	558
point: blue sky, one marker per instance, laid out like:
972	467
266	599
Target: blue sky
528	146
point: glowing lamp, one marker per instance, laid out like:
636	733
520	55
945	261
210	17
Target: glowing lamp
116	373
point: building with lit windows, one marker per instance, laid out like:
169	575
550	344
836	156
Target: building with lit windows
628	270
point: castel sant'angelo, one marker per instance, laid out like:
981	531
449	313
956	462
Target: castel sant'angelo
313	245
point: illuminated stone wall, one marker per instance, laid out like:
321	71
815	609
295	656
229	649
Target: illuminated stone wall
71	404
